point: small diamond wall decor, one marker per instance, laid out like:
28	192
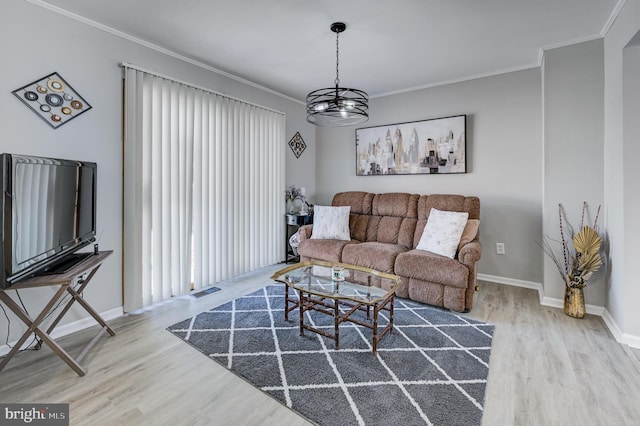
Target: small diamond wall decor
53	100
297	144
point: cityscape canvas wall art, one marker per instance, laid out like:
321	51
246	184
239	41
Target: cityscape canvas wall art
436	146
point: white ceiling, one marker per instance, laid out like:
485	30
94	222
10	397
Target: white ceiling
388	47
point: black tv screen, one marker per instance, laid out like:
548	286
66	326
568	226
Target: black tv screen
49	208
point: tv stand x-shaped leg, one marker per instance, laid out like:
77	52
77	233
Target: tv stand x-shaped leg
33	325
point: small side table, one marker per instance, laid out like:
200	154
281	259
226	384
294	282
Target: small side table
294	222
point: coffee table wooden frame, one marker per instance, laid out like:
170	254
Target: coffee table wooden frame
329	303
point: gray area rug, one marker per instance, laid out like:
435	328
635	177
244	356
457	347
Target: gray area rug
432	370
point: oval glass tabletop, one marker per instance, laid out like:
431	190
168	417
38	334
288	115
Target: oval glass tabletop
339	281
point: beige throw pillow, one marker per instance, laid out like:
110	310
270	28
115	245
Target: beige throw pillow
442	232
331	223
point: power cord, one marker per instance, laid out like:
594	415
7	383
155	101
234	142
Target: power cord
35	336
6	340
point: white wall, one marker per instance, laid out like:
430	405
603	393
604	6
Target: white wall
631	115
620	198
35	42
573	149
504	162
301	171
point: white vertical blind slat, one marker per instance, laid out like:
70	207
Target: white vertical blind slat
163	283
199	157
253	183
146	182
215	193
211	216
132	215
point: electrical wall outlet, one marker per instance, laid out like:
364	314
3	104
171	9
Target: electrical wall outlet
500	248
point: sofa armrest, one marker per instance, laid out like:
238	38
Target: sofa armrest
470	253
305	232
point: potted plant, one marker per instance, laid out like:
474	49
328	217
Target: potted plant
579	261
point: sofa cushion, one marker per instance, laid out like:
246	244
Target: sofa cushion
374	255
407	229
358	224
395	204
442	233
469	233
360	202
449	202
389	229
327	250
431	267
372	228
331	223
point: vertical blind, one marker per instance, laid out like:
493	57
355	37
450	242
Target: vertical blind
203	184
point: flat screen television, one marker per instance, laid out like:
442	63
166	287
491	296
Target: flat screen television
48	213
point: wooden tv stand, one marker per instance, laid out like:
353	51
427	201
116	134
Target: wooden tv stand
70	282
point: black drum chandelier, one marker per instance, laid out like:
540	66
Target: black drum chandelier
337	106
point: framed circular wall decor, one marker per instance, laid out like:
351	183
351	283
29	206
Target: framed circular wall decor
52	99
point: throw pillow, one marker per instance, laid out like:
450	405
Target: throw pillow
470	232
442	232
331	223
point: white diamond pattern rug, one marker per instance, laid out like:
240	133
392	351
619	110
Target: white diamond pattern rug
432	369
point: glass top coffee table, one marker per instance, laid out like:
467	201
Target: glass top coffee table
339	290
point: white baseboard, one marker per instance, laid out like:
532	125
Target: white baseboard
510	281
623	338
72	327
513	282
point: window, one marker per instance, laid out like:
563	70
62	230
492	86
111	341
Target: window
200	169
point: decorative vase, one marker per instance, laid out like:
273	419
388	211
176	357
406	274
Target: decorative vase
290	205
298	205
574	302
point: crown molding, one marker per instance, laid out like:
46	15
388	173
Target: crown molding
457	80
612	18
571	42
152	46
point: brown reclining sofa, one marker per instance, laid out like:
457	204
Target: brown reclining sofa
385	230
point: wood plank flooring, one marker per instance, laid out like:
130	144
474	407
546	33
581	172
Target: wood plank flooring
546	369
